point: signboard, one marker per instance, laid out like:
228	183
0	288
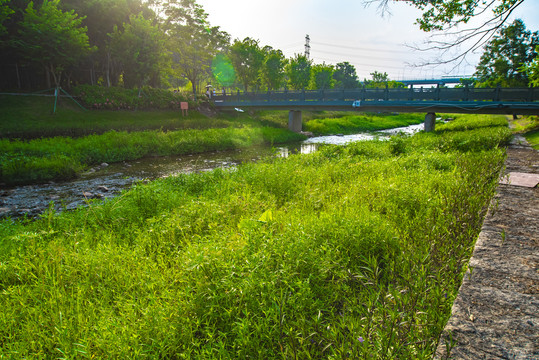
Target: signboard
185	107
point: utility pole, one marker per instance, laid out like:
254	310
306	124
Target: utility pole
307	47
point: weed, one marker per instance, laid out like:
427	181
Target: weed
349	252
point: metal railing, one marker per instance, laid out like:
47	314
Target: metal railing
370	94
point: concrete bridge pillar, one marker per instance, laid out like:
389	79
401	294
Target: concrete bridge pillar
430	120
294	120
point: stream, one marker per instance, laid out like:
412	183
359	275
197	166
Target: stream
108	180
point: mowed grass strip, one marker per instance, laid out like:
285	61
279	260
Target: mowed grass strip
350	252
30	117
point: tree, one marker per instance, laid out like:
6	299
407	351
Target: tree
195	44
379	77
272	71
345	76
447	19
101	18
322	76
5	13
506	54
247	58
140	48
223	70
52	38
381	80
532	69
298	71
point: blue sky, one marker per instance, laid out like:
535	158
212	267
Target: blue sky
344	30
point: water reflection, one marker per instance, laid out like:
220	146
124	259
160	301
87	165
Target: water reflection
412	129
345	139
303	148
340	139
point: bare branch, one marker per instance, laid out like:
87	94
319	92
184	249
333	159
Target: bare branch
480	36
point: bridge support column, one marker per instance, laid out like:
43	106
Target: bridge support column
430	120
294	120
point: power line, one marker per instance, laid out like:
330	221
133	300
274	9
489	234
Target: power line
363	65
355	56
361	48
294	45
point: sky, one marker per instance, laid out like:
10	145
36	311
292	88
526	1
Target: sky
345	30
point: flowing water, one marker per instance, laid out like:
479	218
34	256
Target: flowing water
107	181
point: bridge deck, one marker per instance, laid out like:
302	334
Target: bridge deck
452	100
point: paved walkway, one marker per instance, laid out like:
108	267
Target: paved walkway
496	313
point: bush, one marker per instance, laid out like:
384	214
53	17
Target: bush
117	98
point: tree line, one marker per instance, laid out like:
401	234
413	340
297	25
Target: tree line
170	44
135	43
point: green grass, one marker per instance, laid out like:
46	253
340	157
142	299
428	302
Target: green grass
349	124
60	146
533	139
30	117
524	124
529	127
61	158
349	252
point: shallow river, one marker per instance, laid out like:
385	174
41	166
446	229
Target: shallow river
106	181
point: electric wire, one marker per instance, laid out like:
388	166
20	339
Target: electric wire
360	48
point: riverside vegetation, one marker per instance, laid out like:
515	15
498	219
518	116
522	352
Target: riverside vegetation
41	147
348	252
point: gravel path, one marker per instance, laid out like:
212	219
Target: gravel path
496	313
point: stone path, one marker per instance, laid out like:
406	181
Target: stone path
496	313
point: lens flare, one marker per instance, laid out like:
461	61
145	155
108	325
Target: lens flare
222	70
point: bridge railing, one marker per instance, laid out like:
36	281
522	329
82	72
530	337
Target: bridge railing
369	94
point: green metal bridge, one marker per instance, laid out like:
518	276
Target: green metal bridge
509	101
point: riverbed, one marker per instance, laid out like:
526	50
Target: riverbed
108	180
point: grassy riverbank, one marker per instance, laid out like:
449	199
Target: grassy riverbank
61	158
528	126
533	139
352	123
349	252
335	122
30	117
44	152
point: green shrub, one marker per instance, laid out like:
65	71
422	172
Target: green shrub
116	98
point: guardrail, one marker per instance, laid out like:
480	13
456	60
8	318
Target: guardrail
368	94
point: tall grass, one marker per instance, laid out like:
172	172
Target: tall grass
533	139
350	252
63	157
350	124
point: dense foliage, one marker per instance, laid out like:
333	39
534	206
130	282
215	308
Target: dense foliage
505	56
350	252
170	44
135	43
118	98
53	38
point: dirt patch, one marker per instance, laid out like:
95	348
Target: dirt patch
496	313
